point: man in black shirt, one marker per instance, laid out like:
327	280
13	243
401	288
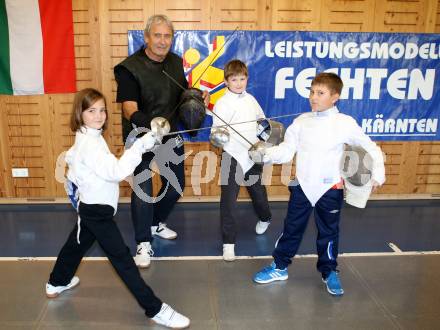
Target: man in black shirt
146	92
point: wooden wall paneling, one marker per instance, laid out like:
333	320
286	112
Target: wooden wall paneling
209	169
403	15
243	193
277	191
185	14
4	189
436	14
408	166
428	168
5	151
200	169
431	8
148	9
122	17
3	192
244	14
193	171
347	15
102	17
431	185
30	145
47	147
62	137
81	30
393	157
98	43
301	15
215	188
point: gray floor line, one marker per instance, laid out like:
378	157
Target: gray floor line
370	291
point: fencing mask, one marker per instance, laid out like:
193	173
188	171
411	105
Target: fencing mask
270	131
192	109
356	172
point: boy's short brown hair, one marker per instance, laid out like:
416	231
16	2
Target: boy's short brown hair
83	100
331	80
235	67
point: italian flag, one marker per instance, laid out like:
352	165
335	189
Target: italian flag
36	47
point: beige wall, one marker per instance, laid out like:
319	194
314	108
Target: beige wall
34	129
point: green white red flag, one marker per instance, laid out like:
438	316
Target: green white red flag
36	52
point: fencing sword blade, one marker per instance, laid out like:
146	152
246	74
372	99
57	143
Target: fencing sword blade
231	124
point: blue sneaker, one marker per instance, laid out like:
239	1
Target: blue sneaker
333	284
270	274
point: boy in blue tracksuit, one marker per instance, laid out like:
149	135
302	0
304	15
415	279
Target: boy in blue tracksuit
318	138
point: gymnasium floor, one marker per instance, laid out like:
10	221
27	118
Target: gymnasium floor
389	263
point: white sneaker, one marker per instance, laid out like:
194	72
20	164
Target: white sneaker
228	252
168	317
54	291
261	227
143	255
163	231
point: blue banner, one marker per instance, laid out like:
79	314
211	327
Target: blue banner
389	79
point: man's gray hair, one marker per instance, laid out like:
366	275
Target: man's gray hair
156	19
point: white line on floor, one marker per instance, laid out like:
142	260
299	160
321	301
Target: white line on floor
394	247
367	254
